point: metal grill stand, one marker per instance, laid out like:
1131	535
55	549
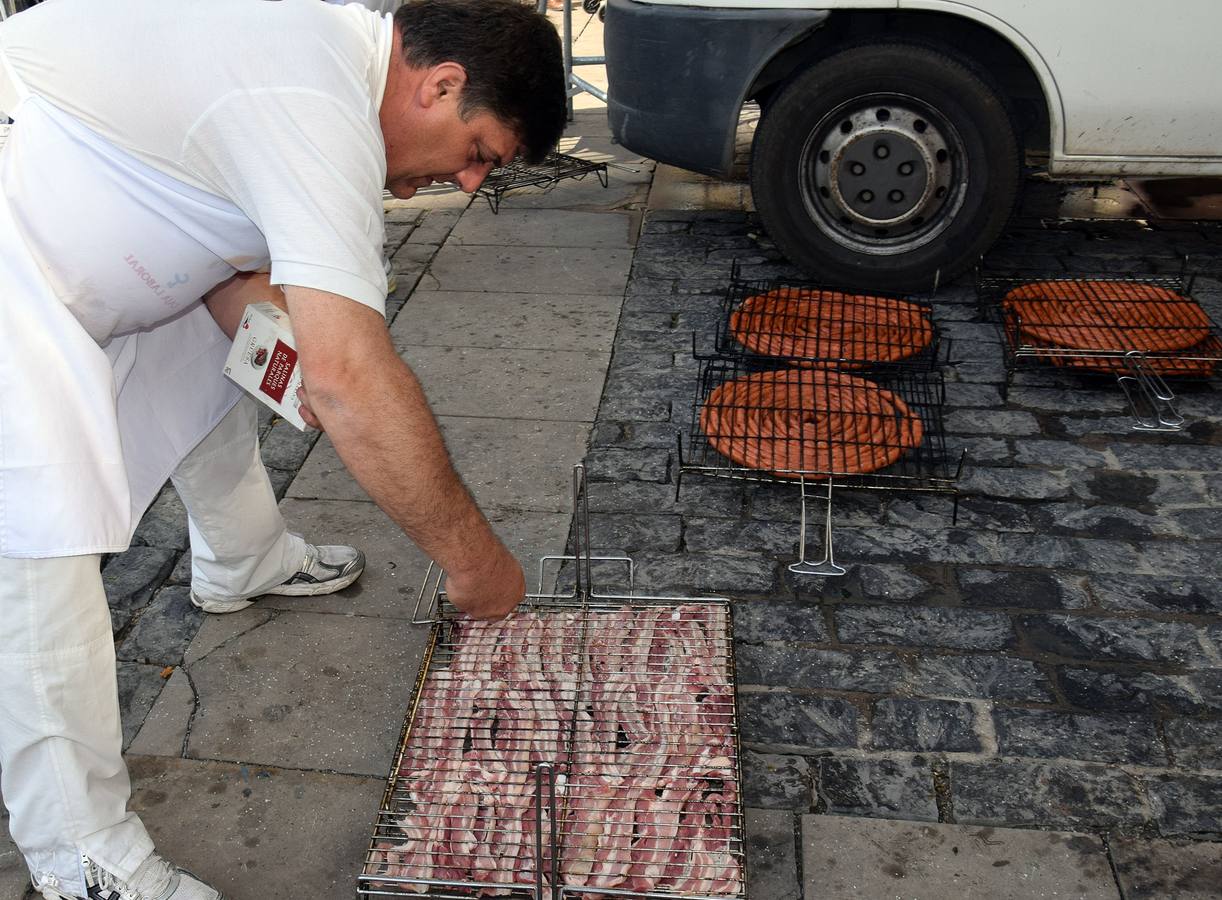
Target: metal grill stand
850	396
1141	329
585	747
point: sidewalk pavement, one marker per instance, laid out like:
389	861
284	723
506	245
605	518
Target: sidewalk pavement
559	330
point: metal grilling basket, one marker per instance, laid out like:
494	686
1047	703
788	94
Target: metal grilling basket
585	747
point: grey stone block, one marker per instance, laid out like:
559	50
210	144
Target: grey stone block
960	395
920	726
879	788
697	497
997	423
1108	522
139	687
1186	804
1126	690
1119	488
626	532
688	574
1079	637
286	447
628	465
131	577
1098	738
772	870
1195	743
883	582
1060	454
813	723
1046	795
961	629
162	632
712	535
1145	593
845	857
1032	589
634	435
1179	457
980	677
779	620
1016	484
776	781
807	669
1157	870
164	524
905	545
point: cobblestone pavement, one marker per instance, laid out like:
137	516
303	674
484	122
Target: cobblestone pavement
1051	660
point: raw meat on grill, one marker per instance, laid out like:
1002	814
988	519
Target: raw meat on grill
634	708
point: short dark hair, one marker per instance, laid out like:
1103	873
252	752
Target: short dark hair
512	55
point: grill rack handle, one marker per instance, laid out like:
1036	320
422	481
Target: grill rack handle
1151	401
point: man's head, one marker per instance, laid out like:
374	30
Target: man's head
472	85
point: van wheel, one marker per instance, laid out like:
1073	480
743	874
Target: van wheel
885	165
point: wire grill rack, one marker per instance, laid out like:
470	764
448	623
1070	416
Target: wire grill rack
585	747
804	322
1142	329
555	167
819	429
883	432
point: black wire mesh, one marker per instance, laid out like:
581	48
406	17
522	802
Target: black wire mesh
554	168
1102	324
788	424
830	326
632	708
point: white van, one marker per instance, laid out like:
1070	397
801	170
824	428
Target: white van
892	131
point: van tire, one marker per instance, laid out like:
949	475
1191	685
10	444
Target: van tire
885	166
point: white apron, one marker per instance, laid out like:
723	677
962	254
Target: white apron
110	367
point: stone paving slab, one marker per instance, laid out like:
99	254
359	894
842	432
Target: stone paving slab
303	690
259	832
529	270
559	385
845	857
544	228
1156	870
540	322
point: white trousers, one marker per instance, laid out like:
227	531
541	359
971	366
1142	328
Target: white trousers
61	769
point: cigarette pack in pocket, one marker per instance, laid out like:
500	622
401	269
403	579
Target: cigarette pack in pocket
263	360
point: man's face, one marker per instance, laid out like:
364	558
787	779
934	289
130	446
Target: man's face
438	145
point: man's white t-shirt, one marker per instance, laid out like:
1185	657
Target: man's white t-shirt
271	104
158	147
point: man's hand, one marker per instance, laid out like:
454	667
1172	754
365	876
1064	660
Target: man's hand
492	592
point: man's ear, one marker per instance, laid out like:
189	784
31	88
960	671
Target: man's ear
444	82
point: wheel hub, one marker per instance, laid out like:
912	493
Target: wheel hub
881	173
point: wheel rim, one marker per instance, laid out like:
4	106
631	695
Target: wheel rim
883	174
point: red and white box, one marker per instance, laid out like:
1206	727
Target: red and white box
263	360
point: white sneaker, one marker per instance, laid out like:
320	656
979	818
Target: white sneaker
156	879
324	570
392	280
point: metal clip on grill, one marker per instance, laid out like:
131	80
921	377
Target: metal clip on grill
586	746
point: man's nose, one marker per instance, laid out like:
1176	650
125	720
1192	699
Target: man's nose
470	178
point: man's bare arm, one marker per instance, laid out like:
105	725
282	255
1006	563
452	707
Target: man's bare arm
372	406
